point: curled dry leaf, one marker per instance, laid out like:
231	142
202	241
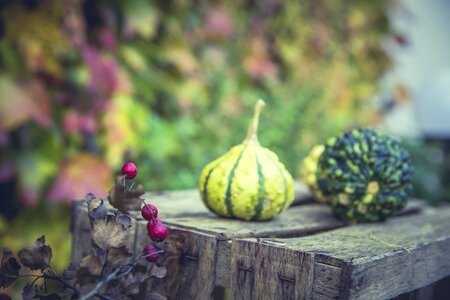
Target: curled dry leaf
96	209
9	269
89	271
98	252
37	255
123	219
131	282
123	199
70	272
28	292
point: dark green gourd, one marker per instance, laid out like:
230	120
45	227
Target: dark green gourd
366	175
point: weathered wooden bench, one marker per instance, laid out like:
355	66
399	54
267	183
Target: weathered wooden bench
305	253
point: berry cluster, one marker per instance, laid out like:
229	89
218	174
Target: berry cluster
156	229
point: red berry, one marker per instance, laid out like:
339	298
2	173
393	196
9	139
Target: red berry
149	249
149	210
157	231
130	170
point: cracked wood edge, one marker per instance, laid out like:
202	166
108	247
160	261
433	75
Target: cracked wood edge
366	261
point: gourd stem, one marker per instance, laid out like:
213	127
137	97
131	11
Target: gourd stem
253	127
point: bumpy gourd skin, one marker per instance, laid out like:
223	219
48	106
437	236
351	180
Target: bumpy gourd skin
309	169
248	182
366	175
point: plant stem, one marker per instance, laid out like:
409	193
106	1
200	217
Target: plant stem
135	239
63	281
45	284
57	278
132	184
36	279
253	127
99	285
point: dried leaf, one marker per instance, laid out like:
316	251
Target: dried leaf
53	296
9	268
4	297
107	234
96	209
123	199
109	296
37	255
131	283
118	255
123	219
89	196
90	270
28	292
99	252
70	272
92	262
66	293
158	271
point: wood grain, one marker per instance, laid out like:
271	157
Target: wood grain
191	263
366	261
200	255
260	271
187	203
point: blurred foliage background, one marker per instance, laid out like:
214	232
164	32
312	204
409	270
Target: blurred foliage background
171	85
86	85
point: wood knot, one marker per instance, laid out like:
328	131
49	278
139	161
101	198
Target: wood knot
284	278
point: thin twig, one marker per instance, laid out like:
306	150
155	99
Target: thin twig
63	281
135	239
102	273
36	279
99	285
45	284
133	264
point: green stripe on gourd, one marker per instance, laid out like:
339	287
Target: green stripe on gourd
261	190
204	180
228	202
248	182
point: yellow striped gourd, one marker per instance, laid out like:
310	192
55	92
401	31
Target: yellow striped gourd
248	182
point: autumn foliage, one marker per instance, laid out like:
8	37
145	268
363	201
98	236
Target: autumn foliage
87	84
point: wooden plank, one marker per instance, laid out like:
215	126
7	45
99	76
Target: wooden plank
190	260
261	271
80	229
366	261
184	213
187	203
296	221
223	263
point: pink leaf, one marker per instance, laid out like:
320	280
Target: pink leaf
82	174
